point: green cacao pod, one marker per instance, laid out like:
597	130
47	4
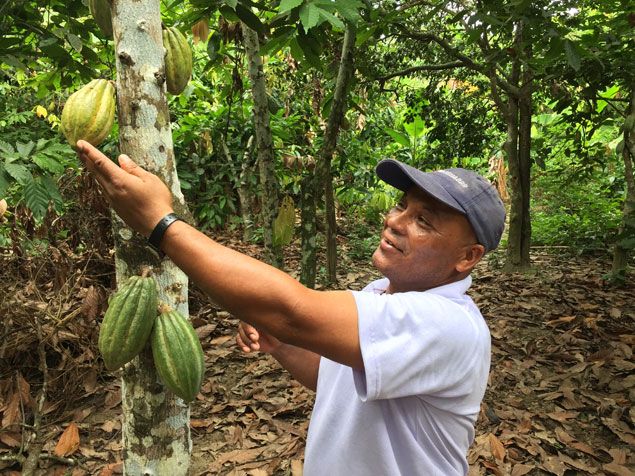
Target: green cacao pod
128	321
89	113
178	60
178	355
100	10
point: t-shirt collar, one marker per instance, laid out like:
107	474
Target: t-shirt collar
452	290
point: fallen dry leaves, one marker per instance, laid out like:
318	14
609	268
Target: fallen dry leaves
559	401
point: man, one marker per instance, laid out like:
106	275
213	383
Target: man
400	368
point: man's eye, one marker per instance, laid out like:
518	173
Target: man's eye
423	221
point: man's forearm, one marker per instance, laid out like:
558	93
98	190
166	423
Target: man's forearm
302	364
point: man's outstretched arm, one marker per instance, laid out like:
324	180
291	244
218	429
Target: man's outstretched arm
322	322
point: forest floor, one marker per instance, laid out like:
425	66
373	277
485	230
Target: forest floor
559	401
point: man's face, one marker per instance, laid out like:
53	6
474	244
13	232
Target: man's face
424	244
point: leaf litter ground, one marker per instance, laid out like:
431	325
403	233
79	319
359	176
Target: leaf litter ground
559	399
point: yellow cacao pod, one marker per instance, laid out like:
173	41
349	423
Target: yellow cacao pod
89	113
178	60
100	10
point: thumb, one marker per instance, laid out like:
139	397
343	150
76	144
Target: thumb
130	165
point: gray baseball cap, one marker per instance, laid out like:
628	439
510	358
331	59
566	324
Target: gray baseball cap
463	190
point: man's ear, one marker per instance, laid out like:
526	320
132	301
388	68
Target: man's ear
472	255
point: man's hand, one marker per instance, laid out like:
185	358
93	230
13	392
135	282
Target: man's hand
250	339
140	198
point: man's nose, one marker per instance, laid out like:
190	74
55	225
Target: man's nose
396	220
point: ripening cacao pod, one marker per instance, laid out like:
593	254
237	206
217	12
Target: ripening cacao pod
89	113
178	60
178	355
128	321
100	10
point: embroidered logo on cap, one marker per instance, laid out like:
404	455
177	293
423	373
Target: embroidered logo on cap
457	179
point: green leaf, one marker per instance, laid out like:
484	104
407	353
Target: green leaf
250	19
36	198
349	9
19	172
572	55
286	5
232	3
278	41
213	45
47	163
4	181
13	61
75	42
310	16
25	149
627	243
296	50
310	48
415	128
228	13
332	19
6	148
400	138
53	191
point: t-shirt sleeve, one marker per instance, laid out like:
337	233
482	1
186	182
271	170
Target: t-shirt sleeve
415	344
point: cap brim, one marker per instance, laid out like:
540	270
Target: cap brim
403	176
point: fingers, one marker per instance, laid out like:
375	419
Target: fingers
99	164
130	166
247	338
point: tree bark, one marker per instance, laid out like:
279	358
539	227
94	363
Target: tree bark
156	434
264	145
621	253
244	192
308	231
344	76
518	150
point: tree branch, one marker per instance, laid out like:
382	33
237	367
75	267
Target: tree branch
424	67
455	53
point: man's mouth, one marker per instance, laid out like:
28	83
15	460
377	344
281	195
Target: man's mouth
389	244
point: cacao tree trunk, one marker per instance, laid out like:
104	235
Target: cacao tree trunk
344	77
308	227
520	218
518	149
622	249
264	145
244	192
155	431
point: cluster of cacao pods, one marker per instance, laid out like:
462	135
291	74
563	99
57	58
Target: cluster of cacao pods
131	320
89	113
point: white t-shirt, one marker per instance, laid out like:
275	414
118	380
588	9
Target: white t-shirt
412	410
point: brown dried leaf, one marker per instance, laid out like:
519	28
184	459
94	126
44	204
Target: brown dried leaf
617	470
11	439
110	469
90	305
496	447
521	469
12	412
68	442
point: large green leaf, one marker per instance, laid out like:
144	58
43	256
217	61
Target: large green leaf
36	198
19	172
310	16
286	5
401	139
250	19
